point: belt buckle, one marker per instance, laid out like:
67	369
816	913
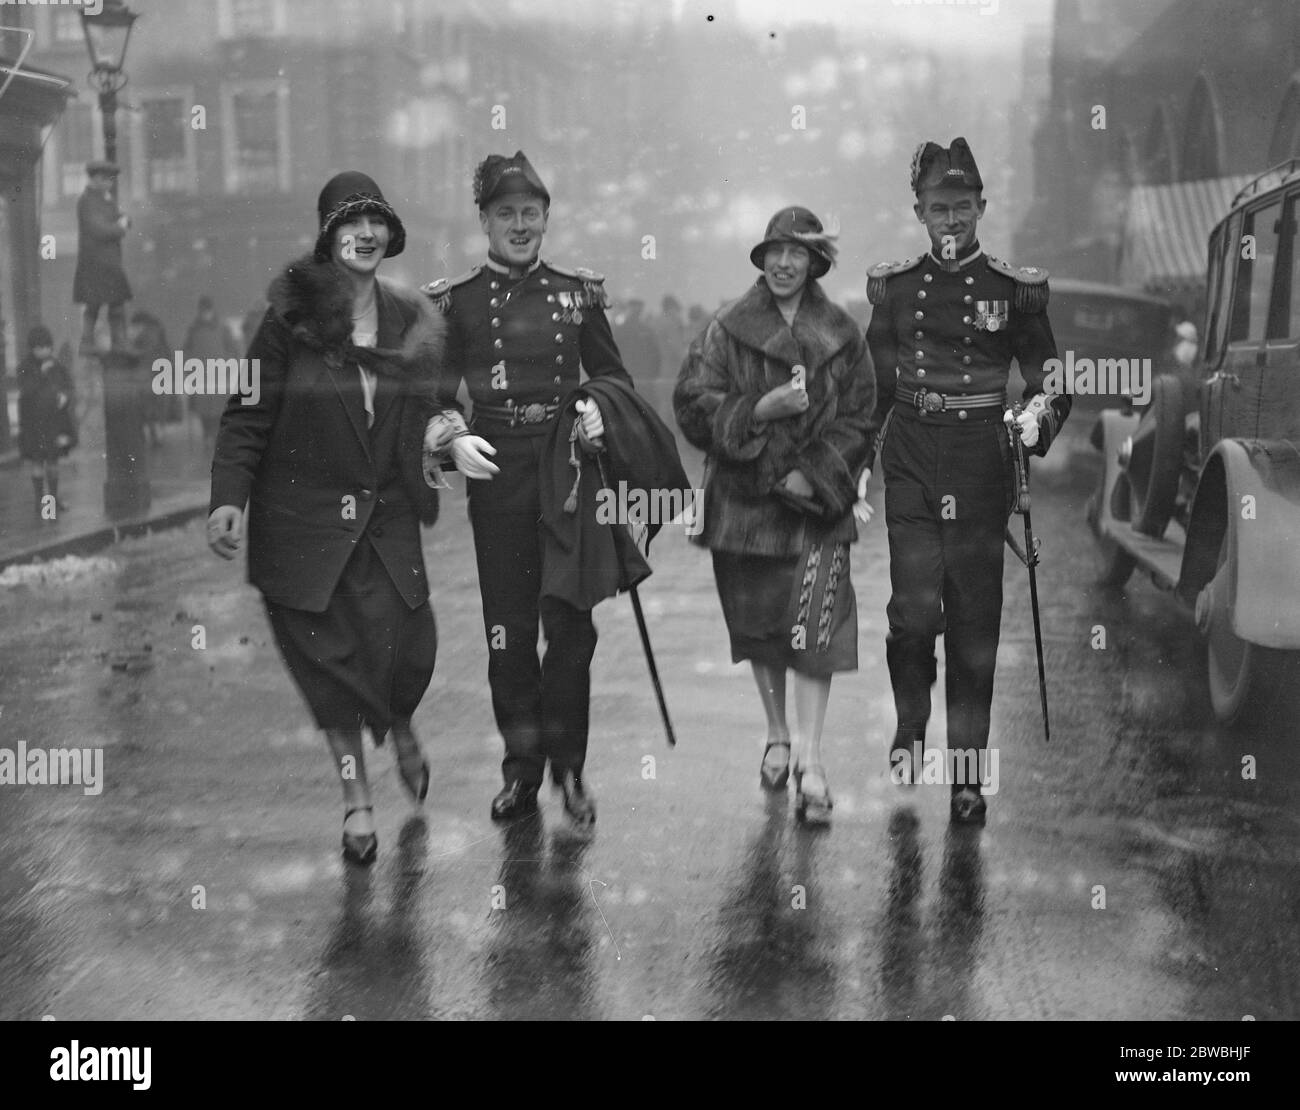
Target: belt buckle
929	401
534	413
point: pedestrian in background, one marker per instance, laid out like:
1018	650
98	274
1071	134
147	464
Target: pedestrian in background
47	428
148	341
779	391
329	462
208	338
99	280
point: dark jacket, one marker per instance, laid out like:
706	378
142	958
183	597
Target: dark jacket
99	278
42	416
580	523
303	458
747	350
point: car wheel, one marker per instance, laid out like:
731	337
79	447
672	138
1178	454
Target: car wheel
1245	679
1156	458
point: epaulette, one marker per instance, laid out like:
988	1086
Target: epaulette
1031	283
439	291
879	273
593	283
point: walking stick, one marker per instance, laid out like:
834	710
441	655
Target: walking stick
1030	556
640	616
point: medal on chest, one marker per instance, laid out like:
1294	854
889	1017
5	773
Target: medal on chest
992	315
570	307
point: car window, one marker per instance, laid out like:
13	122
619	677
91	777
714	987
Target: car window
1291	290
1255	274
1223	252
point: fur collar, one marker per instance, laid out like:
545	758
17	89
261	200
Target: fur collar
314	301
821	329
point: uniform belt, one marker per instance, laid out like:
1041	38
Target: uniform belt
518	414
927	400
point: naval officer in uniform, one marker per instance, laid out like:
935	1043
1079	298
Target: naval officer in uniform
518	331
944	329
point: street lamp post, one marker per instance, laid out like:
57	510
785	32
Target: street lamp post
126	483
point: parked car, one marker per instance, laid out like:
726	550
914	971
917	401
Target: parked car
1202	489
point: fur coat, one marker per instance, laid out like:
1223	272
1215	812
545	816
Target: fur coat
747	350
316	479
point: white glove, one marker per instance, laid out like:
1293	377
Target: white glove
471	456
1027	421
592	426
862	510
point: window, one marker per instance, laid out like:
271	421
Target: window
164	142
1222	254
77	146
1290	311
238	19
256	137
1255	275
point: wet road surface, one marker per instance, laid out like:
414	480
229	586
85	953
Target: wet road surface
1127	870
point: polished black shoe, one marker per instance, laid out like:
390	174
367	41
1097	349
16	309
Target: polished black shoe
515	798
578	803
359	848
968	807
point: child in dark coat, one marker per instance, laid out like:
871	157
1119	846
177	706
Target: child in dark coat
46	429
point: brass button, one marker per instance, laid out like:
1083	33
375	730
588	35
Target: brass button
966	340
559	337
920	315
965	379
965	319
559	360
920	335
495	285
966	299
550	298
920	373
497	344
546	281
555	315
557	379
496	321
928	278
495	302
921	294
970	281
965	360
961	414
920	354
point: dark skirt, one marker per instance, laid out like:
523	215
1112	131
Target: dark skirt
368	658
797	612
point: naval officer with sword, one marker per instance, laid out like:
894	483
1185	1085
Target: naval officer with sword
944	329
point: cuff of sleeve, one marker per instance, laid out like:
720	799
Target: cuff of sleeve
442	429
736	434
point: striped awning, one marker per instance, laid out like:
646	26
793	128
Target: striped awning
1168	229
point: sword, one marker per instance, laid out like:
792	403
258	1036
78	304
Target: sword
640	616
1030	555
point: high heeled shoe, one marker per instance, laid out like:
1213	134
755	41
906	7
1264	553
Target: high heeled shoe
775	779
359	848
809	808
418	788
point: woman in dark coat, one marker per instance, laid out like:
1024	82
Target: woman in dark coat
149	344
329	461
46	428
780	390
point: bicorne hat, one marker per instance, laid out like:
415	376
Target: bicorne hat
800	226
936	168
498	175
346	196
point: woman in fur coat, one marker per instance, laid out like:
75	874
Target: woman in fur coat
779	391
329	463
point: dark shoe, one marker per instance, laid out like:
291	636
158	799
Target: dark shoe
774	776
414	777
968	807
359	848
515	798
812	808
578	804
